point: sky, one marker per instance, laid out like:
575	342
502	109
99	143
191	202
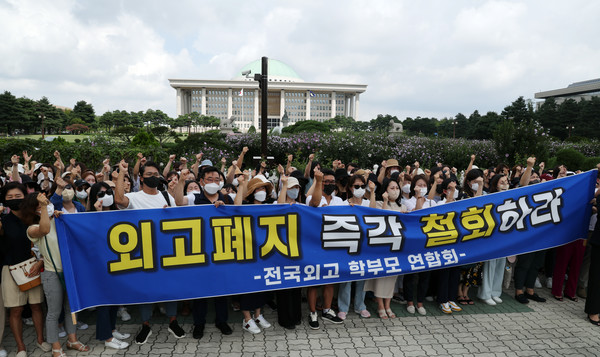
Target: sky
418	58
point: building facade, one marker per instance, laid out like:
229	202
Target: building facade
287	93
577	91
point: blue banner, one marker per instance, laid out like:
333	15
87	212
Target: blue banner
176	253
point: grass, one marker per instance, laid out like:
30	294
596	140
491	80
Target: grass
67	137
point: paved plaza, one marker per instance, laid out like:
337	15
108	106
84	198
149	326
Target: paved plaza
509	329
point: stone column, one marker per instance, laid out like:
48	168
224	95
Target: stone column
351	106
255	117
356	106
229	103
203	102
333	104
282	104
179	102
307	105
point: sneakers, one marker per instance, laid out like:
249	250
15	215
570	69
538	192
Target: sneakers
421	310
454	307
365	314
330	316
82	325
497	299
538	285
410	309
548	283
62	332
142	336
262	321
176	330
224	328
3	352
120	336
313	321
116	344
250	326
342	315
535	297
28	321
198	332
399	299
162	310
123	314
429	298
522	299
445	307
490	302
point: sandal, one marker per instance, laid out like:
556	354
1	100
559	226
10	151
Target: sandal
77	346
461	300
382	314
390	313
597	323
559	298
469	301
574	298
60	352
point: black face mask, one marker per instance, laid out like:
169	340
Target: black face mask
534	181
328	189
439	189
151	182
14	204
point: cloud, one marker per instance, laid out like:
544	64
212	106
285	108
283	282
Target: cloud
418	58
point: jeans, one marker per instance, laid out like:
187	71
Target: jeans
492	278
57	299
344	296
146	310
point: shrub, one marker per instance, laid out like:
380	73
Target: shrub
573	159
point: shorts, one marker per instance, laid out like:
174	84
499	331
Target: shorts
13	296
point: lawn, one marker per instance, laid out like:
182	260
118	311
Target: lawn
67	137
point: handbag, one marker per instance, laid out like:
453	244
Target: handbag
20	273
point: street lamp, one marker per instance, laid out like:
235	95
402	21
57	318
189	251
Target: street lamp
569	127
42	117
454	129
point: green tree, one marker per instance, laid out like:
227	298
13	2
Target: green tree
382	122
84	111
9	113
340	122
307	126
125	133
519	111
251	129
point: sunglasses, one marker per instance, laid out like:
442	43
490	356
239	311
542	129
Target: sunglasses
68	187
356	187
104	193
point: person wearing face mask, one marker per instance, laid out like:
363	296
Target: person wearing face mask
404	180
101	199
435	181
148	197
528	265
82	189
191	186
63	198
418	199
324	186
473	186
254	192
383	288
289	301
211	184
15	248
493	270
42	231
356	188
341	181
388	167
448	278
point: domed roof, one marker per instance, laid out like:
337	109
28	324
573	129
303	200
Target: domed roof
278	71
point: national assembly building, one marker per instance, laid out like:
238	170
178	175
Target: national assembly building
287	94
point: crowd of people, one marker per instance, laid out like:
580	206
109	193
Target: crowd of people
34	193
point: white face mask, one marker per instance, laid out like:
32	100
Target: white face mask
393	194
406	188
50	209
359	192
82	195
195	192
503	187
260	196
475	187
235	182
107	200
232	195
349	173
293	193
212	188
394	171
68	194
221	185
422	190
455	194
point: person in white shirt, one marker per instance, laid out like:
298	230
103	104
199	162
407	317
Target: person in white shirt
148	197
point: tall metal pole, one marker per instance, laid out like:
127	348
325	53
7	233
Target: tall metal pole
264	106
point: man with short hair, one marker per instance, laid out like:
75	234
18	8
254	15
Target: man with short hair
211	182
148	197
322	196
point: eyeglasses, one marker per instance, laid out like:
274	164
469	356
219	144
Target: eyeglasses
104	193
68	187
80	188
356	187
